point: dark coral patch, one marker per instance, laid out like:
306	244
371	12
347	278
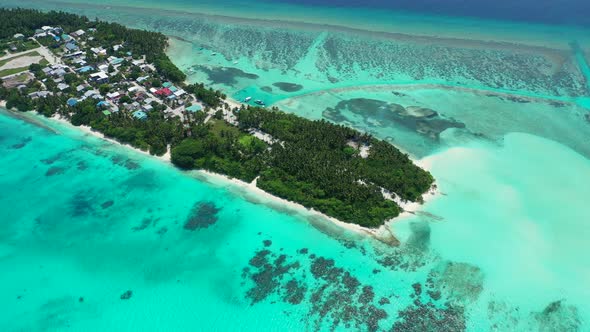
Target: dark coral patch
424	121
22	143
203	215
81	204
82	165
54	171
426	317
131	165
107	204
288	87
145	223
127	295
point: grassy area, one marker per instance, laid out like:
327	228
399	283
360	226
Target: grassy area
5	61
220	125
13	71
246	140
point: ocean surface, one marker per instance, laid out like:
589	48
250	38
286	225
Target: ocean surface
96	237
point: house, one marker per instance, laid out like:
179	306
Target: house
85	69
78	33
74	55
103	103
66	37
141	79
179	93
47	70
147	108
113	95
194	108
138	62
80	87
46	28
13	47
18	36
164	92
140	115
117	47
153	90
71	47
115	61
62	86
40	94
99	51
99	77
91	94
104	68
59	72
167	84
80	62
72	102
148	68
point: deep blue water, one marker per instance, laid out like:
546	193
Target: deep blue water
575	12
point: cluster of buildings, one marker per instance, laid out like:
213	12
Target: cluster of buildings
111	76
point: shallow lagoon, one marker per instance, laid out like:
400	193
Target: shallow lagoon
510	238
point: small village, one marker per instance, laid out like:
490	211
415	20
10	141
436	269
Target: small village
72	65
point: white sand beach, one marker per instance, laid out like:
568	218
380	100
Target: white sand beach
382	233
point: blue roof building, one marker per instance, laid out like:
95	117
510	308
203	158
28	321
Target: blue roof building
85	69
102	103
194	108
56	38
72	102
71	47
116	61
140	115
167	84
66	37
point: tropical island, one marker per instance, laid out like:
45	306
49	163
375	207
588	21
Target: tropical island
120	82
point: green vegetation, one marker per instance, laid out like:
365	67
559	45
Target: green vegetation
313	163
209	96
152	135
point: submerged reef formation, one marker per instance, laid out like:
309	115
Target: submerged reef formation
336	298
349	56
288	87
202	215
374	112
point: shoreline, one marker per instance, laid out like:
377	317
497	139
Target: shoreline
383	233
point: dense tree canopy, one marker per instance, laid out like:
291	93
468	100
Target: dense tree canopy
315	163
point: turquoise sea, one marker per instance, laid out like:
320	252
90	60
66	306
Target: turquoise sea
499	111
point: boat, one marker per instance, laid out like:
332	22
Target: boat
259	102
247	99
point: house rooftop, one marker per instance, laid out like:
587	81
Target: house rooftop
141	115
194	108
